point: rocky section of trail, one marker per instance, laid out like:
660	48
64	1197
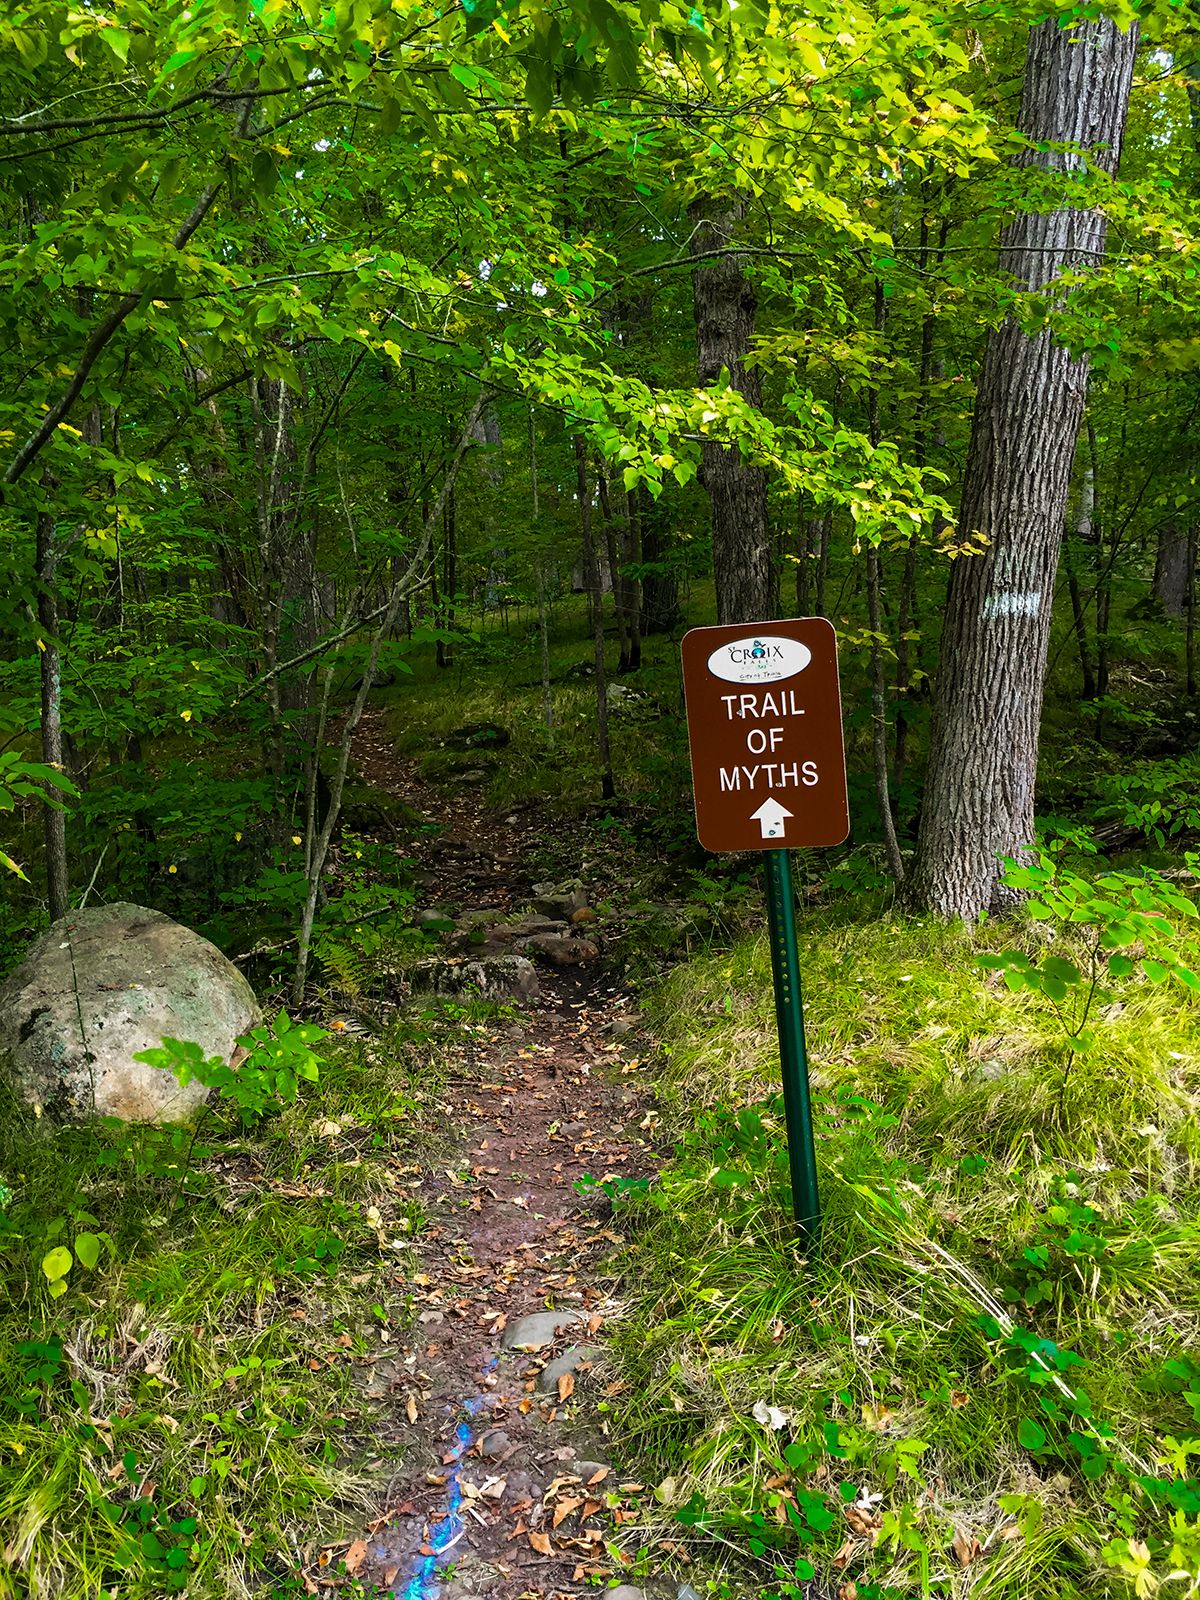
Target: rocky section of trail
499	1396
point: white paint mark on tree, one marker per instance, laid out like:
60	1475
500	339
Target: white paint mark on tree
1013	603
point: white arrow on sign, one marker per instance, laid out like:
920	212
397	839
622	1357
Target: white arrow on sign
769	817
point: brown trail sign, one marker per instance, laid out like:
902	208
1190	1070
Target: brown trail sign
769	770
765	730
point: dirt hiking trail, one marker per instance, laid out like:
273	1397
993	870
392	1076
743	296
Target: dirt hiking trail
511	1484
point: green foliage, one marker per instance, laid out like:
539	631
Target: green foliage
277	1060
1115	911
22	779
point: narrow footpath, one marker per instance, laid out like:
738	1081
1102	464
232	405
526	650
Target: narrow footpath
500	1396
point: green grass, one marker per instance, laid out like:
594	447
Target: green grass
954	1134
207	1360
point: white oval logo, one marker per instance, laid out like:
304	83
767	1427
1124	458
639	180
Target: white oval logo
759	658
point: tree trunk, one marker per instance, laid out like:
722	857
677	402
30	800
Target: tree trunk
54	821
1171	570
1191	612
979	790
660	589
1085	536
887	821
633	519
737	492
614	562
591	570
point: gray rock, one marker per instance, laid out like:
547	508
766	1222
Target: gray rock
549	1375
561	951
625	1591
380	679
686	1592
487	978
587	1470
494	1444
560	900
102	985
537	1329
432	917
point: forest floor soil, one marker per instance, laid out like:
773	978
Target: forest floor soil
498	1398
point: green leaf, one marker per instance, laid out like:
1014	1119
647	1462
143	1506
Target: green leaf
1120	966
1154	970
58	1287
87	1249
1030	1436
1064	971
57	1263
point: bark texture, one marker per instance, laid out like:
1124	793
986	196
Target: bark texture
1171	569
979	791
737	491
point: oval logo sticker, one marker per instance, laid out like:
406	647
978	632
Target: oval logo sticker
759	659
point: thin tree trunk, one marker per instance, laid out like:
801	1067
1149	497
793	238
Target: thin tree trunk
887	821
823	561
591	568
737	492
633	519
618	587
906	610
1104	566
979	790
806	528
54	821
402	587
1191	612
1085	535
540	580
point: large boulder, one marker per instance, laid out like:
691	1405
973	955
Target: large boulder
492	978
102	985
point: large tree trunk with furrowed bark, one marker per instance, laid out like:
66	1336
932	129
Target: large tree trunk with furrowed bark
737	490
979	790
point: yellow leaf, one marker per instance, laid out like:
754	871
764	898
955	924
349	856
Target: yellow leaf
186	715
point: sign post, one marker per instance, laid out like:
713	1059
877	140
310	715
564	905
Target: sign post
772	691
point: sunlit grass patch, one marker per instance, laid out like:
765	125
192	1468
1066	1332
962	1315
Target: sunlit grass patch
188	1414
966	1386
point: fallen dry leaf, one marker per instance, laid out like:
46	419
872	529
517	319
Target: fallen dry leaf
564	1509
590	1509
566	1386
595	1322
957	1399
526	1406
966	1547
356	1555
599	1477
521	1527
541	1543
389	1576
844	1554
863	1523
411	1409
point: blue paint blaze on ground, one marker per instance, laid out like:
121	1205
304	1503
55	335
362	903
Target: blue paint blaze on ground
421	1585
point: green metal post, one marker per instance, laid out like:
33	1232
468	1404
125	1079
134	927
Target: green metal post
793	1058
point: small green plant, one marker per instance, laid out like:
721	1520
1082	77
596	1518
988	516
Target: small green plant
1109	915
278	1059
